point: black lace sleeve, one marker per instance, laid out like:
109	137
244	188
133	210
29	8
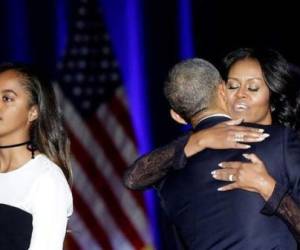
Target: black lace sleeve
283	205
150	168
289	210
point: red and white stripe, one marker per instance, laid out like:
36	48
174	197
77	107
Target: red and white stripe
110	216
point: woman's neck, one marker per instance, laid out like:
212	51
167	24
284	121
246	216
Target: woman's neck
13	155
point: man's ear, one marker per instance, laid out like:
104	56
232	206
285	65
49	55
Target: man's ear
221	91
33	113
177	118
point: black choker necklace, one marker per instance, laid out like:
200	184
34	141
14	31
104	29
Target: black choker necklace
30	146
14	145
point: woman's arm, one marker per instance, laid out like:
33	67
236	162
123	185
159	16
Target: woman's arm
250	176
254	177
52	205
283	205
150	168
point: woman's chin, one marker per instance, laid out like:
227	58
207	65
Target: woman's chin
241	115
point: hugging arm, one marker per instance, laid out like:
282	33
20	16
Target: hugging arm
283	205
281	200
254	177
289	207
150	168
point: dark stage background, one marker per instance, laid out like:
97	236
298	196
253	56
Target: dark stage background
147	38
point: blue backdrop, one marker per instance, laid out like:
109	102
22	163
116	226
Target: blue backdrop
148	37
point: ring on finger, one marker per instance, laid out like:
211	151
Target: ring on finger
238	137
231	177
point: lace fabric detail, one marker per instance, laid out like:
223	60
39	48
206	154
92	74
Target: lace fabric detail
147	170
289	211
283	205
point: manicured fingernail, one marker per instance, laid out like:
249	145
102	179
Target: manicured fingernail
213	172
247	146
220	189
265	135
246	156
261	130
220	164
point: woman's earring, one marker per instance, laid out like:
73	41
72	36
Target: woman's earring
273	109
31	147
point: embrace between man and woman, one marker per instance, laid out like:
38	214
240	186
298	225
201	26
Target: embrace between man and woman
260	158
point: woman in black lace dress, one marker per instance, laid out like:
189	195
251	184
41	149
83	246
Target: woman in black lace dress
149	169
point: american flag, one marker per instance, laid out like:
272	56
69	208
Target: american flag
106	214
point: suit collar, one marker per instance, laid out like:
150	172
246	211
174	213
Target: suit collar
211	120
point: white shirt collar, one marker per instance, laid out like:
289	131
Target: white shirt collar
214	115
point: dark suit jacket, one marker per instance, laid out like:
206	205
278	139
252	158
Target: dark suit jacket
207	219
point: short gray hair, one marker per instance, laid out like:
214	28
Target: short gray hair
191	85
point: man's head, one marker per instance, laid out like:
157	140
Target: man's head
191	87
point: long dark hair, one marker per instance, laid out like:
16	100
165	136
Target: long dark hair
47	132
276	72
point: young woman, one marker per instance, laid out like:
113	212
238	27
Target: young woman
35	198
